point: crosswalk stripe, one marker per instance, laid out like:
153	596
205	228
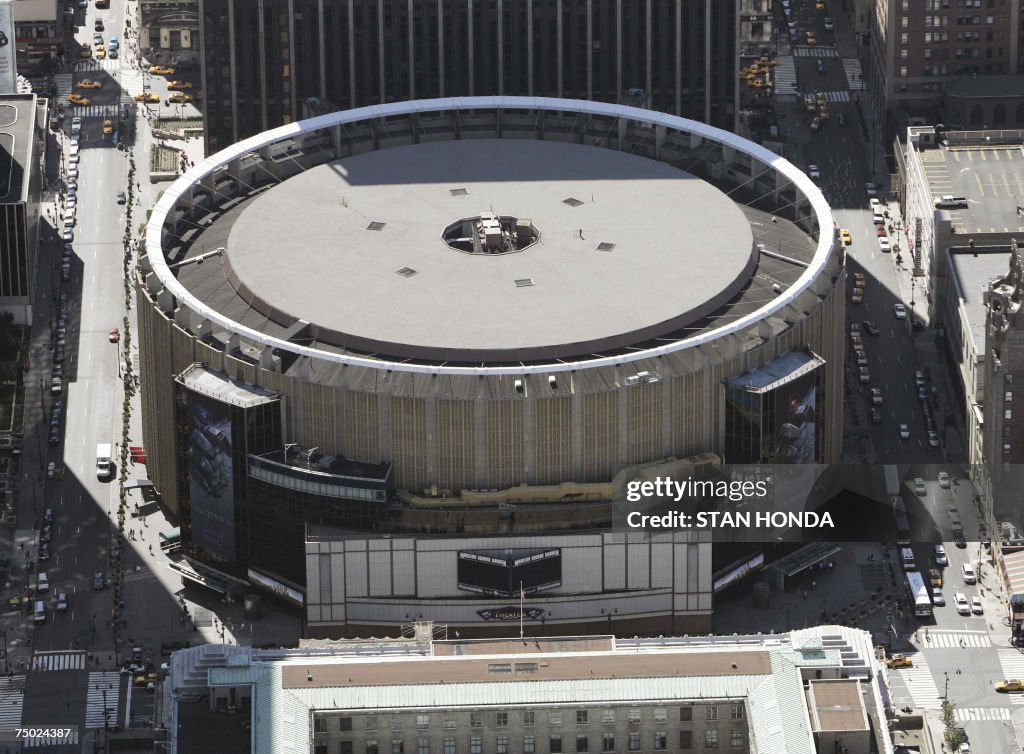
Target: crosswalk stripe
949	640
785	75
1012	663
58	661
966	714
70	740
919	682
102	684
816	52
854	74
12	698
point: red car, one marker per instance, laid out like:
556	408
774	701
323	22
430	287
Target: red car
879	230
115	335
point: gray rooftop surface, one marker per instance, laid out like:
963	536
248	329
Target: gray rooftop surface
17	122
992	179
220	386
973	274
209	281
682	250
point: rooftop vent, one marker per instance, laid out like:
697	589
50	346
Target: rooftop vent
376	226
406	272
605	246
459	192
572	202
524	282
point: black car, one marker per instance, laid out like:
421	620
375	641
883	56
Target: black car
98	26
959	540
54	435
44	552
98	582
121	198
870	327
876	415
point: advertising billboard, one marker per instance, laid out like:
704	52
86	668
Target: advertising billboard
211	480
507	573
8	64
795	422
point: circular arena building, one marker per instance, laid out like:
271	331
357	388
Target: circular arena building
451	298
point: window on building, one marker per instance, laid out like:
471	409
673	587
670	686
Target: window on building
904	38
396	722
904	53
528	717
634	740
319	725
711	738
449	745
607	716
476	744
608	742
320	749
476	719
373	748
736	738
344	723
554	718
660	741
582	743
1008	414
1008	396
345	747
904	71
450	722
686	739
422	721
685	714
660	714
501	719
501	745
371	722
397	746
582	717
711	712
527	667
423	746
529	745
633	715
555	744
736	712
500	669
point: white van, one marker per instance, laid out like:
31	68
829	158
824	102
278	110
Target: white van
39	613
43	583
907	558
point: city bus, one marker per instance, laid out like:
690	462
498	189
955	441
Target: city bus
899	514
918	598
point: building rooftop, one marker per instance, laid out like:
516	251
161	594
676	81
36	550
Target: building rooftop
17	132
990	177
837	706
764	672
659	250
218	385
974	270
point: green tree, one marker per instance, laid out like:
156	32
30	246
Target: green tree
954	734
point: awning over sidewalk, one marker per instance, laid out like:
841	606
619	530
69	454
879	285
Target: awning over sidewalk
1013	572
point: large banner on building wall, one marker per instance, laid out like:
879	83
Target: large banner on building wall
8	65
211	477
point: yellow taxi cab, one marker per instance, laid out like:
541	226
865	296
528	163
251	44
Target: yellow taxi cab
147	97
820	5
179	84
899	661
101	52
108	126
179	98
161	70
846	236
1007	686
935	577
858	296
78	99
88	84
811	38
859	280
86	51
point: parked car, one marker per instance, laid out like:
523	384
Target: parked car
963	607
938	598
940	556
970	577
919	487
976	607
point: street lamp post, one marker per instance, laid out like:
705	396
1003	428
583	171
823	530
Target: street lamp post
945	694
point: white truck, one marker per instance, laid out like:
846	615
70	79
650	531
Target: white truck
103	460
